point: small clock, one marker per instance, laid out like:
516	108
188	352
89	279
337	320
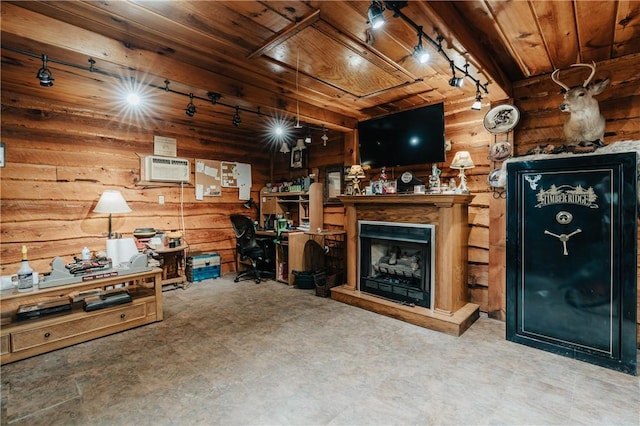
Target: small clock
406	177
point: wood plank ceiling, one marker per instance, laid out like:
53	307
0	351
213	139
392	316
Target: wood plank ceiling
316	61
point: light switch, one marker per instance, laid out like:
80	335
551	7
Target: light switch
161	199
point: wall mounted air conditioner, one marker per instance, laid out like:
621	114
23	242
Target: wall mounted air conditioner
167	169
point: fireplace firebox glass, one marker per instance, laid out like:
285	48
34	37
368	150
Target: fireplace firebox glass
396	261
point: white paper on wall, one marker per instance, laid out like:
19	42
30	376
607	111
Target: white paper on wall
244	180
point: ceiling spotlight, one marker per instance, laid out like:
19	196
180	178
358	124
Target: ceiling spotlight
133	99
376	19
191	108
284	148
236	118
477	104
421	55
214	97
456	81
44	75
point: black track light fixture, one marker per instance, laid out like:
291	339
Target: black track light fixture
376	18
455	81
44	74
477	104
191	108
46	79
214	97
236	118
419	51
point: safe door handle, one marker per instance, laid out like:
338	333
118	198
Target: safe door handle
563	239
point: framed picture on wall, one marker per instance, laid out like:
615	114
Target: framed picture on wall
297	157
334	177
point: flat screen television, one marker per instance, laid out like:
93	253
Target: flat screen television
403	139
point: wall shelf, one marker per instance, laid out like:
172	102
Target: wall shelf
300	207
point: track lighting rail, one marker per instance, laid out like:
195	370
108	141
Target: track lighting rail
212	97
395	7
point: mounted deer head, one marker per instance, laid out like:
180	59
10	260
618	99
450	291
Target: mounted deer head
585	123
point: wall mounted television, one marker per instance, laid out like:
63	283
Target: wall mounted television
403	139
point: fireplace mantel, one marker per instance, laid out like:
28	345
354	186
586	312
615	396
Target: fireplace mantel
451	312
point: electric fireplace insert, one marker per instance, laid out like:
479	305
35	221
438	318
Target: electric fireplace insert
397	261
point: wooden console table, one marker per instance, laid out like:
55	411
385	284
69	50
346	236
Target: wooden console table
23	339
451	312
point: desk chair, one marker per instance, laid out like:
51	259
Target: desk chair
248	249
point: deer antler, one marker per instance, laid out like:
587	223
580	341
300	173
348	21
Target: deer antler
557	81
593	71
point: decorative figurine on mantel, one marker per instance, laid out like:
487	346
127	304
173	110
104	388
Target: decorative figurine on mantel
383	175
356	174
434	179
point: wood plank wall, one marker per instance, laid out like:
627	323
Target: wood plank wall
539	98
59	160
463	127
541	124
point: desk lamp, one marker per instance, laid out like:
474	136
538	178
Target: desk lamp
111	201
249	203
356	173
461	161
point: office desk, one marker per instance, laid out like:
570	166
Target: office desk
283	266
290	250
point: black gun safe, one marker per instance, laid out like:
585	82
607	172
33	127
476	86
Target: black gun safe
572	234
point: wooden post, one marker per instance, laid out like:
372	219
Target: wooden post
352	247
497	259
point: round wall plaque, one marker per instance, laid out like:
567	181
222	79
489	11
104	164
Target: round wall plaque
501	119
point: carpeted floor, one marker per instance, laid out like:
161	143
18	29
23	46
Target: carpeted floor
270	354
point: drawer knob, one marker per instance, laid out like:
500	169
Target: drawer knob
47	335
122	316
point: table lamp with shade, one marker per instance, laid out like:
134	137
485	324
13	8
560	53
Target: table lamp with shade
462	161
111	201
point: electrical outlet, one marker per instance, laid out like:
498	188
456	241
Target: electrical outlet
447	145
161	199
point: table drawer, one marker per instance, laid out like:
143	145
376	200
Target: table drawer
4	344
51	333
